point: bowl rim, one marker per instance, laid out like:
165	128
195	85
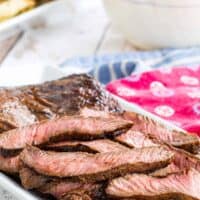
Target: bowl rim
166	3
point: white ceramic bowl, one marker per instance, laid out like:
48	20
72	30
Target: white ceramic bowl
152	24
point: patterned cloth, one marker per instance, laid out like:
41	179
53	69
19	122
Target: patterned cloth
173	94
106	68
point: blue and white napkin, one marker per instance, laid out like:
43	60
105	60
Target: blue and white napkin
106	68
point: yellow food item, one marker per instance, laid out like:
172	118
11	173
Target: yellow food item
10	8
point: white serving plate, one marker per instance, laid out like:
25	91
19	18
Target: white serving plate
19	19
12	77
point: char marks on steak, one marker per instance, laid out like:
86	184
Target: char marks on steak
138	186
71	94
95	146
177	139
67	96
63	128
95	167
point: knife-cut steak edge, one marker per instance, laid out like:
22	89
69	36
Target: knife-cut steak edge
136	139
183	160
95	167
63	128
186	141
138	186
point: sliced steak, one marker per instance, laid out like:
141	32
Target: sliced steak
182	160
26	105
185	160
177	139
9	165
170	169
60	188
95	192
138	186
136	139
95	167
63	128
31	180
95	146
76	195
13	113
72	93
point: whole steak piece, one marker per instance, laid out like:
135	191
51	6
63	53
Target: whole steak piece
26	105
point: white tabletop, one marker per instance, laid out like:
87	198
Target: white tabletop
74	28
69	29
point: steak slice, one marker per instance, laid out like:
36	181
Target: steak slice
58	189
177	139
95	192
138	186
95	146
182	160
26	105
185	160
47	185
63	128
31	180
76	195
9	165
170	169
136	139
95	167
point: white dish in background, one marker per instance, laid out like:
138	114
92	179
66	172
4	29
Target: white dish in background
151	24
14	76
19	19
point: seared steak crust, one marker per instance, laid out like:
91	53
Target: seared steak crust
67	96
95	167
